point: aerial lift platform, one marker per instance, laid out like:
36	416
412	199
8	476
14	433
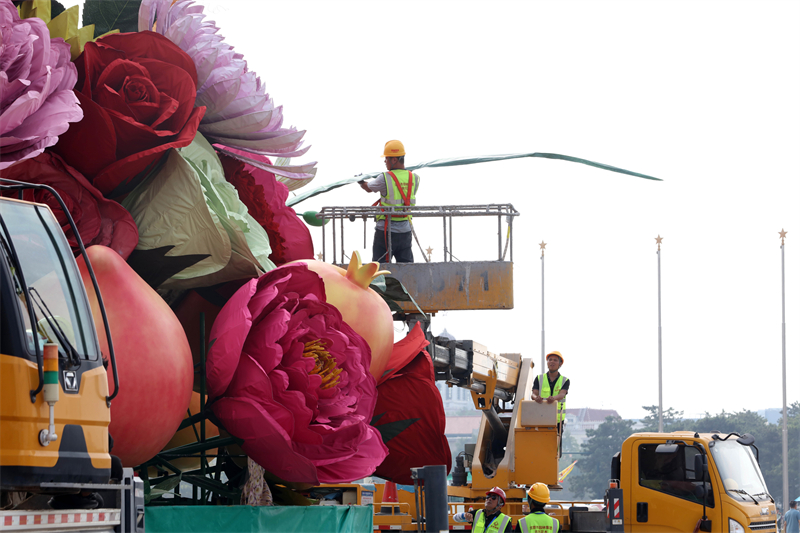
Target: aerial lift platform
446	285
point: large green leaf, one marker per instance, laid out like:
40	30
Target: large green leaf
107	15
56	8
456	161
390	430
393	291
168	485
155	266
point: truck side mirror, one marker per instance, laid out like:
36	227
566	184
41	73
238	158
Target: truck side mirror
700	491
699	467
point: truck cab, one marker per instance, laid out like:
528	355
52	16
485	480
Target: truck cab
44	301
665	488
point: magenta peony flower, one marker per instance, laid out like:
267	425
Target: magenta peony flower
288	376
36	80
239	113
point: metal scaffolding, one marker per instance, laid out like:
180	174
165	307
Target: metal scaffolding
445	212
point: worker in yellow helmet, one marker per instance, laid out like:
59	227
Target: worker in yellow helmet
398	188
489	519
552	387
538	521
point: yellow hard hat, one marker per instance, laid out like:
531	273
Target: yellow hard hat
556	353
539	492
394	149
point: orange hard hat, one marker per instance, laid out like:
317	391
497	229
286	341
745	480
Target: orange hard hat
557	354
499	492
394	149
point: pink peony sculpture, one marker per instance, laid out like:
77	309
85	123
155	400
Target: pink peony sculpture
36	80
288	376
239	112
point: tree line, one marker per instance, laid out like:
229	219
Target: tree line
590	477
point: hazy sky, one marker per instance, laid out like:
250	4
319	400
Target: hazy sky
705	95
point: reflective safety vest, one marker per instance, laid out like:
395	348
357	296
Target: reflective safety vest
401	190
498	524
539	523
545	392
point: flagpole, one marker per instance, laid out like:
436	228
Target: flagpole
660	404
785	411
542	245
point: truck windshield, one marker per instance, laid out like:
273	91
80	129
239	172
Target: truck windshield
53	279
739	471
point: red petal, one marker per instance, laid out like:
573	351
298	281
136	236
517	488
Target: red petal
148	44
74	146
123	175
117	72
178	85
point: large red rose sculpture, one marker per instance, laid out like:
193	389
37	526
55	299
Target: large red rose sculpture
99	220
137	91
288	376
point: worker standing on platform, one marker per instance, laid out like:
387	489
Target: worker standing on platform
538	521
398	188
553	387
488	519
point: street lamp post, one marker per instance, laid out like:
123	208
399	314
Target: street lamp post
660	403
785	410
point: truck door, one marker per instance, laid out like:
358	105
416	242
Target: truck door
668	496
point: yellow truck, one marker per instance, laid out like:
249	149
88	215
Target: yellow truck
659	482
680	481
55	466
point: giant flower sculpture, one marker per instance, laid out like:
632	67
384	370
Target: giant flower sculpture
288	376
239	112
99	220
138	95
265	198
36	80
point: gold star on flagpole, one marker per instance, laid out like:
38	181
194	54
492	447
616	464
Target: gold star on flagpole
319	256
542	245
658	241
782	233
429	251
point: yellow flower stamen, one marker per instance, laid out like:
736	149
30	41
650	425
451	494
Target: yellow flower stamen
324	363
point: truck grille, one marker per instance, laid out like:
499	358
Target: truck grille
763	526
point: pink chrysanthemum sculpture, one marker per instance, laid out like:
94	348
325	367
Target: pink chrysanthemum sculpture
36	80
239	112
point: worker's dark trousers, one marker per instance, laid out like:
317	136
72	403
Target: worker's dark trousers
401	247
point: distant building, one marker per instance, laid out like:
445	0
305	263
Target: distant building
462	426
456	399
772	415
583	419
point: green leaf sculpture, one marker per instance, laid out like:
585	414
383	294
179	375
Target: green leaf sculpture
107	15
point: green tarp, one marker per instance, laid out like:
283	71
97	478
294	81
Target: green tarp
243	518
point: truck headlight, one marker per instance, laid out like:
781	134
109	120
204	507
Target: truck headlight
734	526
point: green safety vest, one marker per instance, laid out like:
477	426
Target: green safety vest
539	523
545	392
401	190
498	524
